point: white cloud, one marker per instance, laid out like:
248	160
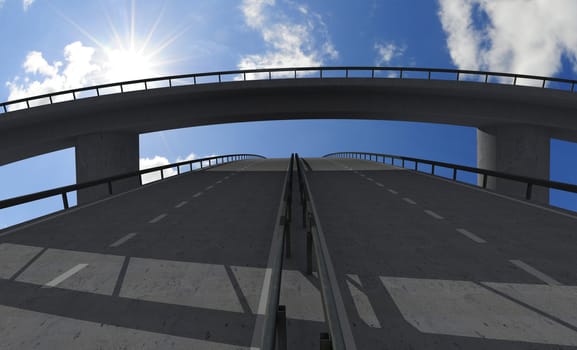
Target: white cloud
2	3
147	163
79	69
26	4
520	36
387	52
300	41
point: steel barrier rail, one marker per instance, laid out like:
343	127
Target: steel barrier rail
62	191
274	328
268	74
530	181
337	321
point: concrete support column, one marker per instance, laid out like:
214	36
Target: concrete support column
515	149
102	155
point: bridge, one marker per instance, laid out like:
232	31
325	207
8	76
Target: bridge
350	251
516	115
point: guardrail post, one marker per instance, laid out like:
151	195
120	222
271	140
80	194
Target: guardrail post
178	170
162	174
529	191
281	338
416	165
454	174
484	180
65	200
432	169
109	187
403	162
325	342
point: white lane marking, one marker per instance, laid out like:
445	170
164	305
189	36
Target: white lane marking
380	184
64	276
393	191
370	179
122	240
197	195
219	182
433	214
362	303
226	177
363	175
409	200
180	205
536	273
157	219
208	188
475	188
471	235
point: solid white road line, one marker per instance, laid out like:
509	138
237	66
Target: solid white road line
122	240
180	205
157	219
208	188
393	191
409	200
65	275
197	195
471	235
433	214
380	184
533	271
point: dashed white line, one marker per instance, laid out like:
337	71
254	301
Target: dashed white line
196	195
157	219
433	214
379	184
370	179
219	182
122	240
65	275
226	177
471	235
180	205
363	175
536	273
409	200
393	191
208	188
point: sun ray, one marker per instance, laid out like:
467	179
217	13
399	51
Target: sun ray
82	30
132	23
152	30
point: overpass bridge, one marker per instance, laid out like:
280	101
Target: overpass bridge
515	115
388	258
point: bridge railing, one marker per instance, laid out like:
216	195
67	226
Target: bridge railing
529	181
63	191
289	73
274	328
337	322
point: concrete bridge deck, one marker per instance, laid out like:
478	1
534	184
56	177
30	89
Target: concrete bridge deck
422	263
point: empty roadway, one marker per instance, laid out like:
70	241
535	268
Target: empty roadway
421	262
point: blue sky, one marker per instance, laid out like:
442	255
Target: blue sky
54	45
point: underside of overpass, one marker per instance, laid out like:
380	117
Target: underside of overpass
420	262
514	123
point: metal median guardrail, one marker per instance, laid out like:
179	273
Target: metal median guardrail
274	328
529	181
347	72
340	334
63	191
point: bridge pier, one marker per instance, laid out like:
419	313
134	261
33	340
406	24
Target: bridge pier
105	154
516	149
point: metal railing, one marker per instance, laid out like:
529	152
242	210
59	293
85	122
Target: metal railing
274	328
529	181
315	238
294	73
63	191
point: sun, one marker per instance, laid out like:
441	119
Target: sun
131	55
123	65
